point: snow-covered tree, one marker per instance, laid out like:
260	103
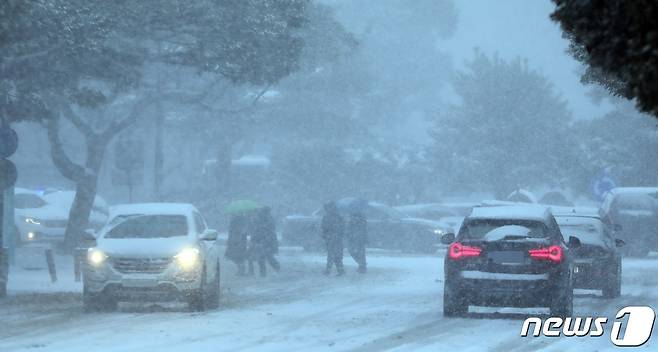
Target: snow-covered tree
81	60
623	140
60	57
356	87
510	129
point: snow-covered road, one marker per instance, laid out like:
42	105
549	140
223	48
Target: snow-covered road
396	306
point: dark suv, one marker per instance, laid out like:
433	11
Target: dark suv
508	256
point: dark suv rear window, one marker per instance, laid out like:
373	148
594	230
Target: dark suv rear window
480	229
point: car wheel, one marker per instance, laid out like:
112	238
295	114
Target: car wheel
197	298
98	302
215	289
612	285
562	305
642	251
635	250
454	304
427	248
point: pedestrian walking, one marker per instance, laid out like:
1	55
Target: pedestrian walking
263	244
357	239
236	246
333	230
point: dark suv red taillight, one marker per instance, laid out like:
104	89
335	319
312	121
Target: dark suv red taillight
552	253
458	251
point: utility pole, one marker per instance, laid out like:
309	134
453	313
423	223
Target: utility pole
159	157
158	162
8	175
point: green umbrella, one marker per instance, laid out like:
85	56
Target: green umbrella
241	206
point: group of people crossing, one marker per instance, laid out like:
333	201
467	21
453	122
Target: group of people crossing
252	240
335	231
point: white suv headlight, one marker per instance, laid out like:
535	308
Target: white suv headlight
96	257
188	258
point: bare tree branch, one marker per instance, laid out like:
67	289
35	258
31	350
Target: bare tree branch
119	125
209	108
260	95
186	97
14	60
77	121
62	162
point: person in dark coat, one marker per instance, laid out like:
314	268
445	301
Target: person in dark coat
236	246
333	230
357	238
263	244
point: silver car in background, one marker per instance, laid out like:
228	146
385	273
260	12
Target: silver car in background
41	217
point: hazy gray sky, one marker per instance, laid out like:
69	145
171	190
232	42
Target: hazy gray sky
522	28
511	28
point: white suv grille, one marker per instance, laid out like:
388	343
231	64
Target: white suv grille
141	265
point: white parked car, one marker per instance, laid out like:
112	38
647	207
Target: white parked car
634	210
41	217
154	251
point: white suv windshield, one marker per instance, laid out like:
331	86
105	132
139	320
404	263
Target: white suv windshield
150	226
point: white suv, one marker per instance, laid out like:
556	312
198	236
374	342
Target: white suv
159	251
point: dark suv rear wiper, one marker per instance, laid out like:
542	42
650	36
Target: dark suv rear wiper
514	237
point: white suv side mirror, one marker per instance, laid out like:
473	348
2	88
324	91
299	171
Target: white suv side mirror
208	235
